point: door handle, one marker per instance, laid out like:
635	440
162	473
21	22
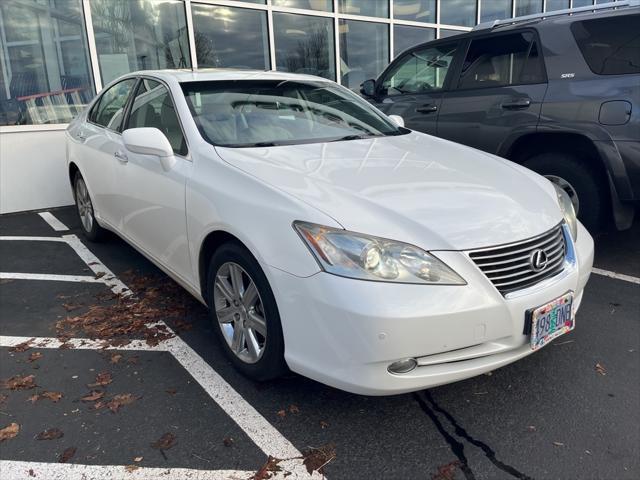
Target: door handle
122	158
427	108
520	103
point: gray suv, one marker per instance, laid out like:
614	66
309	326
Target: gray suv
560	95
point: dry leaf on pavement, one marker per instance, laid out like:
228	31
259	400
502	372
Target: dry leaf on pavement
165	442
115	358
316	458
102	379
269	467
50	434
9	431
21	347
600	369
34	356
18	382
120	400
93	396
67	454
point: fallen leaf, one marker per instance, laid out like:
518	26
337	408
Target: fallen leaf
100	274
446	472
323	424
50	434
131	468
34	356
67	454
600	369
3	398
93	396
102	379
21	347
138	459
33	398
558	444
115	358
269	467
9	431
120	400
294	409
281	413
315	459
18	382
228	441
32	473
53	396
69	307
165	442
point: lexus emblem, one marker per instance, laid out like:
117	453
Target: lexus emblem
538	260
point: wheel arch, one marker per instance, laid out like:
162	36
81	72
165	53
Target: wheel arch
210	244
72	171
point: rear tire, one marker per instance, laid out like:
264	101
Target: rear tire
579	179
84	206
246	324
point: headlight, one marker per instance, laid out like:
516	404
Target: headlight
568	211
364	257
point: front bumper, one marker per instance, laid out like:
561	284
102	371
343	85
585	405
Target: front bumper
345	332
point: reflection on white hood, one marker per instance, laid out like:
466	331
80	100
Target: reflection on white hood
414	188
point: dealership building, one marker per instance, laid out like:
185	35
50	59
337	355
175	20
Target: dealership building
55	55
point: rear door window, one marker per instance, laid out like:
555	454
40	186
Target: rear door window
610	46
502	60
109	111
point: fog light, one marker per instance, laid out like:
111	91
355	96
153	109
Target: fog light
403	366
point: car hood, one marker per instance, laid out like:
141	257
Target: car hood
415	188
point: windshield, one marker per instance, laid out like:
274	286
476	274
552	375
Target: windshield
251	113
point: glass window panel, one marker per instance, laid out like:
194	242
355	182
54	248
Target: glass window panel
324	5
304	44
153	107
422	71
528	7
582	3
444	33
139	35
502	60
406	37
416	10
231	37
364	51
557	5
45	74
109	110
458	12
370	8
495	10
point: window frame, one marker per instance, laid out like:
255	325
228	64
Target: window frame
99	98
453	68
127	113
536	38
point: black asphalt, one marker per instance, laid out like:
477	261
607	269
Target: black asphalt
552	415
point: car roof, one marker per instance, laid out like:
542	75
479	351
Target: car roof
212	74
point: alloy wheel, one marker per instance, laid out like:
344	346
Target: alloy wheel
83	202
240	312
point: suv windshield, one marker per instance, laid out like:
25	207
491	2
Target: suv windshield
254	113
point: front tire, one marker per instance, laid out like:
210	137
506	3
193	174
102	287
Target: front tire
245	314
580	180
84	206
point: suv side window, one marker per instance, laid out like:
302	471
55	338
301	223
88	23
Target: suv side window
152	107
421	71
109	110
502	60
610	46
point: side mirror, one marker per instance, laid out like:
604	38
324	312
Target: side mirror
397	119
368	88
149	141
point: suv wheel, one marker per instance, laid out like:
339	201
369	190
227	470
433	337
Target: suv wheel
581	182
245	313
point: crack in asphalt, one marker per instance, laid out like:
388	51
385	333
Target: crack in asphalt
457	447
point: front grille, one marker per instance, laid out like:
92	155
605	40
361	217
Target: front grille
509	267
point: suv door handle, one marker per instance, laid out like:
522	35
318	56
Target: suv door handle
427	108
122	158
517	104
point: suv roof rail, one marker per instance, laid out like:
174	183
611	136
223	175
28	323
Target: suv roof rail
556	13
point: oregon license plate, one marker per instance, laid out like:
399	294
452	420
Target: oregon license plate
552	320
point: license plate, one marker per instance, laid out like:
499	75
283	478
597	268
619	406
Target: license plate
552	320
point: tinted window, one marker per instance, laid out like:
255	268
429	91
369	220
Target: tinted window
364	51
495	10
502	60
152	107
246	113
109	110
610	46
416	10
422	70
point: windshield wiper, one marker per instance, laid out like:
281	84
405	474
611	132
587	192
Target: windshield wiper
351	137
264	144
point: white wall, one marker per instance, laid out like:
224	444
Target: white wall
33	171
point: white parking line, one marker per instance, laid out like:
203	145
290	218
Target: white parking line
617	276
53	222
49	277
256	427
32	239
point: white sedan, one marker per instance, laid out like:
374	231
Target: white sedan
325	237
